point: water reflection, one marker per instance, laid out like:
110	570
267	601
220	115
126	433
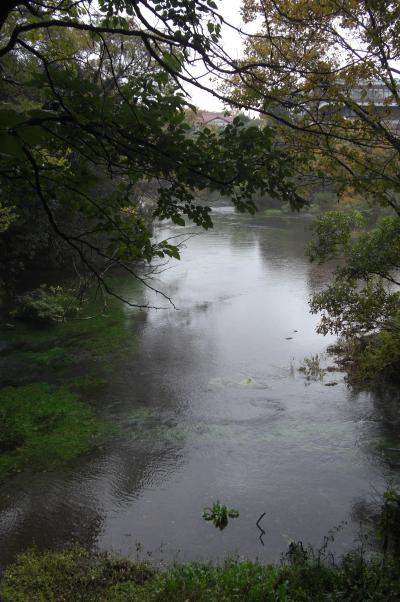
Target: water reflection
209	405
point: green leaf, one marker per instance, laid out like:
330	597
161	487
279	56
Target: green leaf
177	219
33	134
10	145
9	118
171	61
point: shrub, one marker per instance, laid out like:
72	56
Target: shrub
48	304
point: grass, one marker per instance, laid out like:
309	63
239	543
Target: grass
75	575
43	427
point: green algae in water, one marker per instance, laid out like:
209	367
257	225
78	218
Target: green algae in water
54	355
388	444
98	333
87	381
44	427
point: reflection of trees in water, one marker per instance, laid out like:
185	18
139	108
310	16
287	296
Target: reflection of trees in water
145	399
386	401
282	241
377	415
47	512
366	513
378	411
318	276
382	414
51	511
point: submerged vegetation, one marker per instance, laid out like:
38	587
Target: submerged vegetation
43	427
311	368
46	425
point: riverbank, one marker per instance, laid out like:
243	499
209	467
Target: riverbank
76	576
370	361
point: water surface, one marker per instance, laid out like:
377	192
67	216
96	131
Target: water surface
210	406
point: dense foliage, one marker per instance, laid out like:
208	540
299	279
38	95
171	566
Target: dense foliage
93	121
327	74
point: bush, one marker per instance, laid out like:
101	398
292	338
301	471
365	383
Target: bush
47	304
380	357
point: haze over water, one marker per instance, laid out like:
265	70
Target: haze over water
210	406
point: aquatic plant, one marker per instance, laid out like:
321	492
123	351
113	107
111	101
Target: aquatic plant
219	514
43	427
47	357
311	368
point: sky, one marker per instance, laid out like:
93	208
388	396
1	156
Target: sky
232	43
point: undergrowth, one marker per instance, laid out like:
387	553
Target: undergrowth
76	576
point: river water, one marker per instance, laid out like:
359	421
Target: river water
210	405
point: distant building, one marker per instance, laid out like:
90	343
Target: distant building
375	94
207	118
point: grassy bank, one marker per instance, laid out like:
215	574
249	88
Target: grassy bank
76	576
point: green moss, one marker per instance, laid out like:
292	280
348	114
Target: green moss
46	357
108	335
43	427
76	576
87	381
98	332
390	444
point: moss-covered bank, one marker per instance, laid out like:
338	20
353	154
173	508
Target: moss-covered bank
76	576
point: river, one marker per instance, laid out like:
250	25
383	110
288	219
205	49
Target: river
209	405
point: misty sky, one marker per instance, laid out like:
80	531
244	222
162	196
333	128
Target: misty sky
230	10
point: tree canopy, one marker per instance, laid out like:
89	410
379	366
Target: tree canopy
93	117
328	74
92	113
